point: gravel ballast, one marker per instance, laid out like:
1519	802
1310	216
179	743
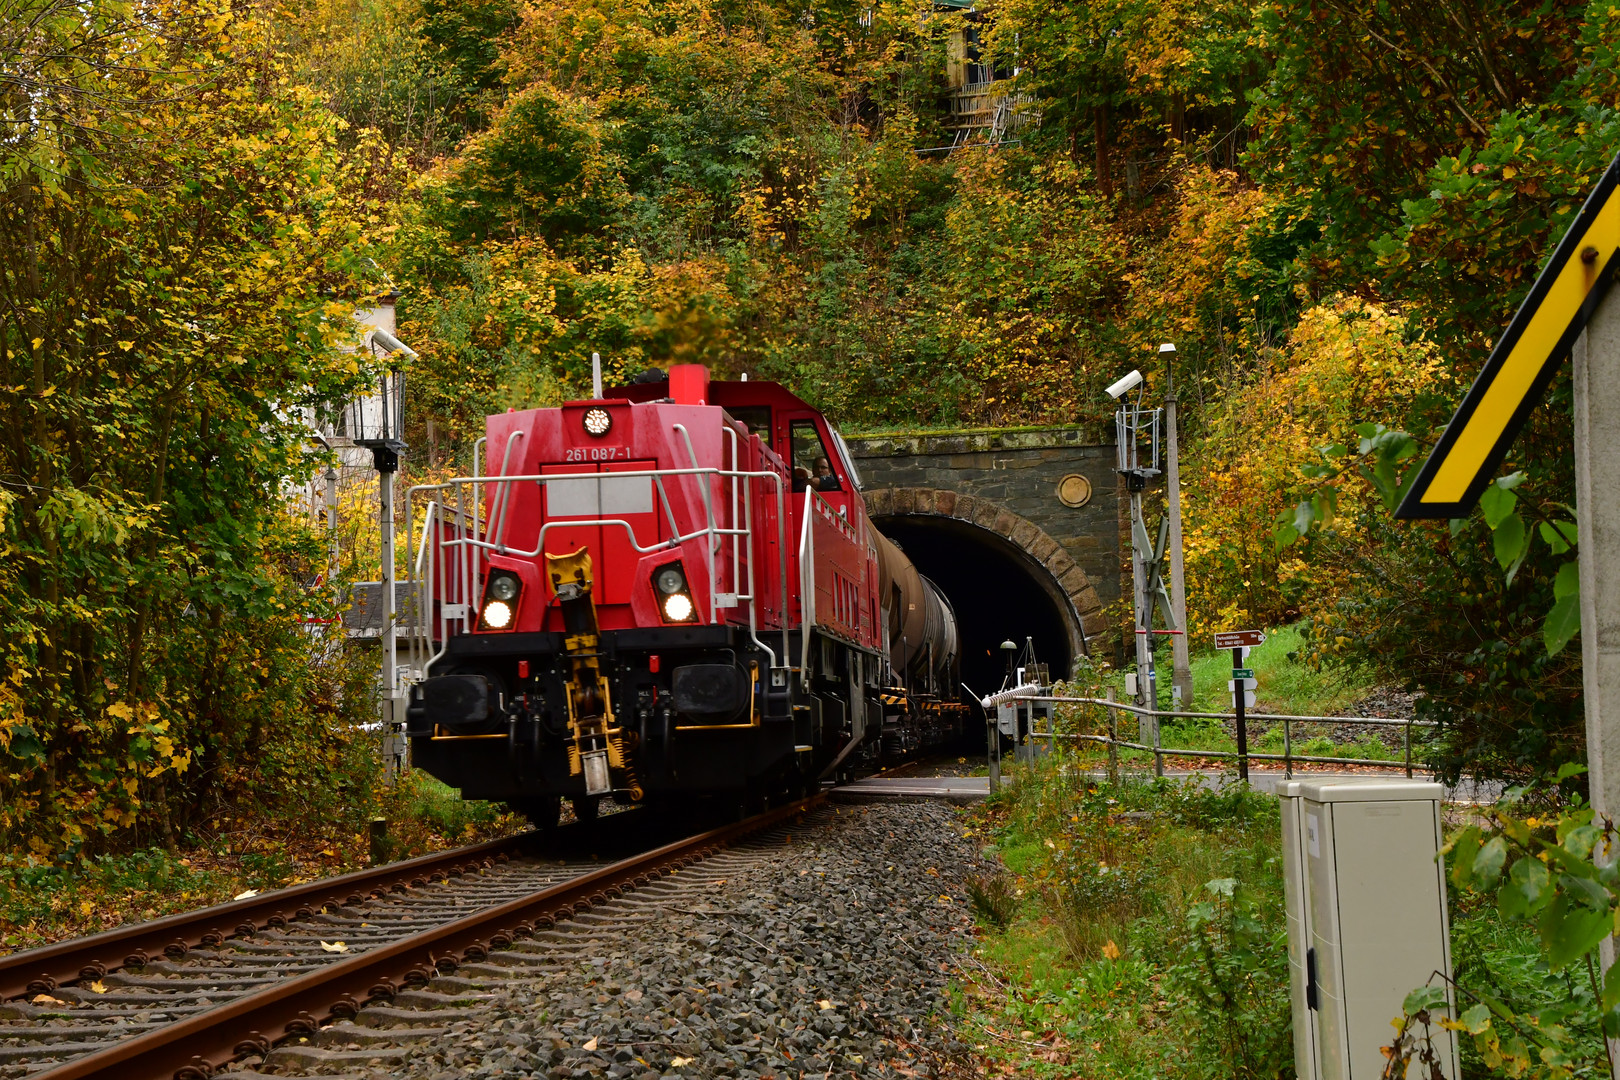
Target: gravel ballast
822	949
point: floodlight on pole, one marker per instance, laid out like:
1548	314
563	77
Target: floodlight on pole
377	422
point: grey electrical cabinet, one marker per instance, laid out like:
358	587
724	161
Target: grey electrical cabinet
1301	995
1367	924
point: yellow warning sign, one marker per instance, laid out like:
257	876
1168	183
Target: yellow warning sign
1564	296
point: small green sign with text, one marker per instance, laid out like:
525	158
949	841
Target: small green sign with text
1243	673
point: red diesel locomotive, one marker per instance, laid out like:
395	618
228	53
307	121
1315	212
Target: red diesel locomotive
673	590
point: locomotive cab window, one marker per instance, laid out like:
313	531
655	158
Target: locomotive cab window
812	464
758	419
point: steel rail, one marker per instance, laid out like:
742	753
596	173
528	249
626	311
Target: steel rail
196	1047
44	969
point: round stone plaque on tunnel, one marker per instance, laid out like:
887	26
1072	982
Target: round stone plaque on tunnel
1074	491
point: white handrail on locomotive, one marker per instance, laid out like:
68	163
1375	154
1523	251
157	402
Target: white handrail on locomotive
736	549
813	503
463	584
471	567
707	498
807	585
710	529
503	497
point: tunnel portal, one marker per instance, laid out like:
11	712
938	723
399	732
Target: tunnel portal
998	595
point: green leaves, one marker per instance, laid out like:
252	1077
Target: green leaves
1555	883
1489	862
1510	543
1497	501
1424	998
1389	448
1564	620
1286	530
1510	539
1476	1019
1569	931
1476	862
1563	883
1558	535
1529	888
1322	507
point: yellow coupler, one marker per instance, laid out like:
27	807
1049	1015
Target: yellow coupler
591	723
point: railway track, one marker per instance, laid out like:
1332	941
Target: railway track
197	992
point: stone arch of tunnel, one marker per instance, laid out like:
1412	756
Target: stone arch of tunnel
1003	574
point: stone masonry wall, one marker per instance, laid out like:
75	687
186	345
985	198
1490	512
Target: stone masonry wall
1014	475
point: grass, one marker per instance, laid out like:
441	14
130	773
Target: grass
442	810
1285	685
1103	969
1137	932
41	903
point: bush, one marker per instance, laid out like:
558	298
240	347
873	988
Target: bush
1154	942
442	809
1234	979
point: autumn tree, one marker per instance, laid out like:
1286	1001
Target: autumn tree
182	246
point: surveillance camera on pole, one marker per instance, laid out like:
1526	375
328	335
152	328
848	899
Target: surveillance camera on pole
1136	438
1125	385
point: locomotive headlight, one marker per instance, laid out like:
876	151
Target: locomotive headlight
497	615
677	607
670	580
501	590
674	595
503	587
597	422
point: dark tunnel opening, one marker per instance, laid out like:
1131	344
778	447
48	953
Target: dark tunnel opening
994	591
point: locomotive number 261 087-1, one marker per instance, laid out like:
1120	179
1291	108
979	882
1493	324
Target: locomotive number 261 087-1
595	453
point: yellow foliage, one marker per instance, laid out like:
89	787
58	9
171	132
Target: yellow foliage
1348	361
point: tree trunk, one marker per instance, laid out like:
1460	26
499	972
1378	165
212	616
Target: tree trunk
1105	179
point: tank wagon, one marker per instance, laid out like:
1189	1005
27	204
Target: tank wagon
671	591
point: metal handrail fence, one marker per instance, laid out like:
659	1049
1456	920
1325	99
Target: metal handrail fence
1160	751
